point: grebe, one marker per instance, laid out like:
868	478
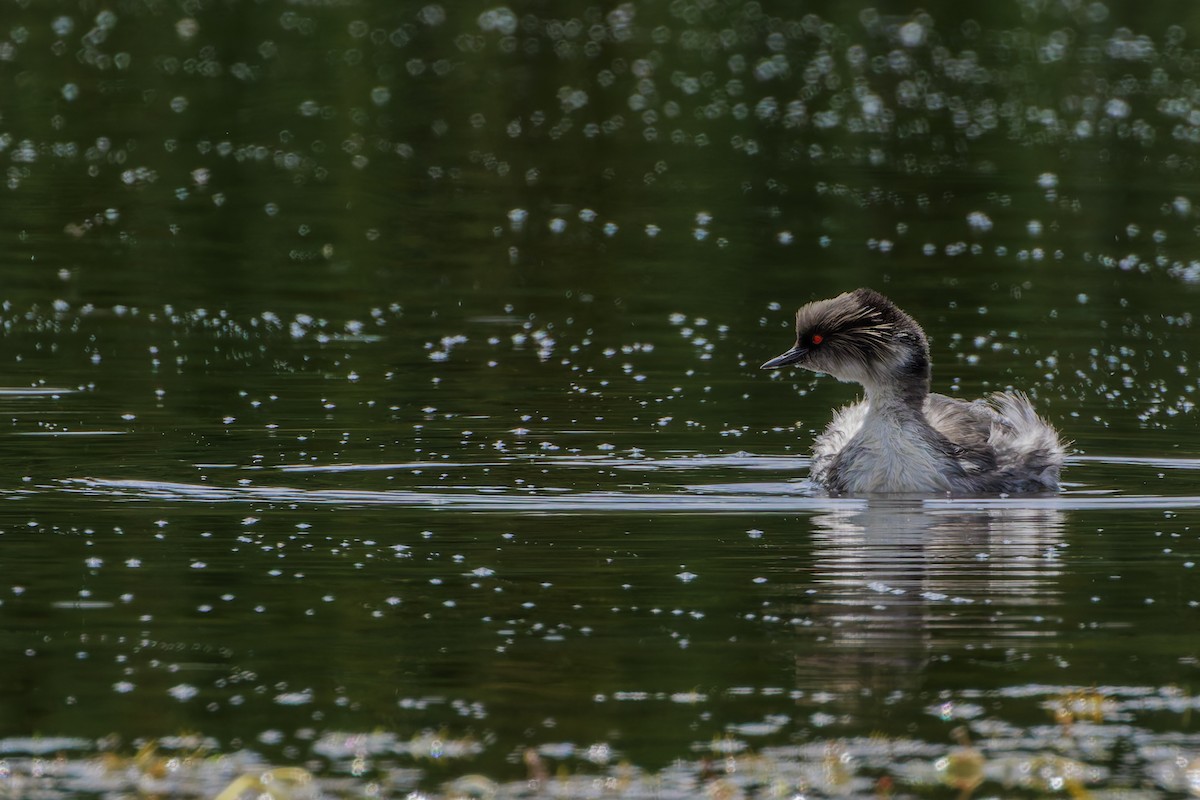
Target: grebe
901	437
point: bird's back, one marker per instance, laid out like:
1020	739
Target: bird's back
1029	453
984	447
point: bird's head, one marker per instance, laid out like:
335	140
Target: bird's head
859	336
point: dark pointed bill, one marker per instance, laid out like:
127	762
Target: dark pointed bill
784	359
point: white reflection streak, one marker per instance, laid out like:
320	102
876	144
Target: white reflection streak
766	498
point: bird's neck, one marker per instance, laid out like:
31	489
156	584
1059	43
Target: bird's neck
901	386
903	397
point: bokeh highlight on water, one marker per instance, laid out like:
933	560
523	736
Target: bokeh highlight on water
384	412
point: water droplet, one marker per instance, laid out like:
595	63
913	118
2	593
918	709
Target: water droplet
979	221
911	34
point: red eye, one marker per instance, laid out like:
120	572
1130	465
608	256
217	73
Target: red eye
817	338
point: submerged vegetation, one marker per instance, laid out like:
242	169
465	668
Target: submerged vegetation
1085	748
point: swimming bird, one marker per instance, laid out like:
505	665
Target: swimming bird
902	438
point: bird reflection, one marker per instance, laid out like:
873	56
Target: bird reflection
897	584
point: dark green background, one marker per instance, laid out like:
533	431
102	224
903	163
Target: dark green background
238	238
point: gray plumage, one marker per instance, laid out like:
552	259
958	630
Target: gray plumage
901	437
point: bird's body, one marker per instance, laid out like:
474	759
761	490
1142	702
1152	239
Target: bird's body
901	438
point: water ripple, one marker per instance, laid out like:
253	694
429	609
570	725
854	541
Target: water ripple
738	498
746	461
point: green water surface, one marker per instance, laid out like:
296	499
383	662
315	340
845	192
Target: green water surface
383	397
